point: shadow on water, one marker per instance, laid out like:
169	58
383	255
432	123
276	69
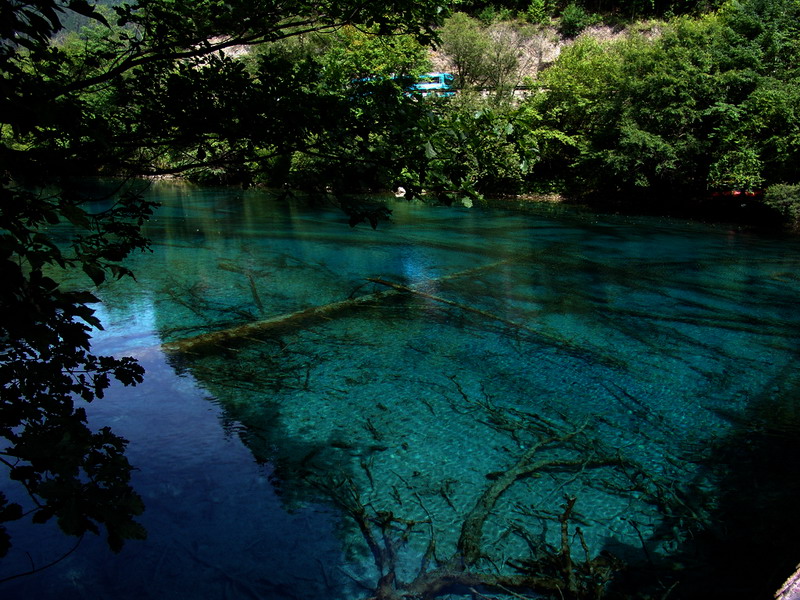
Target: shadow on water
744	534
737	538
753	543
247	387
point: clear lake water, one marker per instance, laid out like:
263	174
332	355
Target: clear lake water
293	361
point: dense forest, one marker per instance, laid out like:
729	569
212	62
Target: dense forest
689	108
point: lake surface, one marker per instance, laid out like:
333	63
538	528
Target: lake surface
407	369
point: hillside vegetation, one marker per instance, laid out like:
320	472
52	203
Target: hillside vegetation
660	107
691	113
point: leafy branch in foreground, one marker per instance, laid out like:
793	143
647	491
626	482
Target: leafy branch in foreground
69	472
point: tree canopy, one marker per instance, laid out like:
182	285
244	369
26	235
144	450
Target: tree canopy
702	106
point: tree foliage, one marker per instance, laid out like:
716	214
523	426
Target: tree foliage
474	148
785	199
703	106
483	56
359	122
574	19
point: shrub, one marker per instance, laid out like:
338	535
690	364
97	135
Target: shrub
487	15
490	14
537	12
465	41
575	19
785	199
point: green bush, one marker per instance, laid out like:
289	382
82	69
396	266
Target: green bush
487	15
785	199
538	12
575	19
467	44
491	14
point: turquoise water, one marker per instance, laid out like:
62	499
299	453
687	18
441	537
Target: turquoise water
643	347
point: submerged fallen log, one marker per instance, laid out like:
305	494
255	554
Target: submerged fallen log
205	342
248	332
465	307
208	342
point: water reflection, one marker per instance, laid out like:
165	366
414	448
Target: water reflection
653	339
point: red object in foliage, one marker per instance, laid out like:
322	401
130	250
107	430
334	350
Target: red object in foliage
734	193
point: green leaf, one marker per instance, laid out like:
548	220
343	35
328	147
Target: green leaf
42	240
51	217
96	274
84	297
76	215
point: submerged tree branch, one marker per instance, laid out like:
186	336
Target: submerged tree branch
552	572
35	569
